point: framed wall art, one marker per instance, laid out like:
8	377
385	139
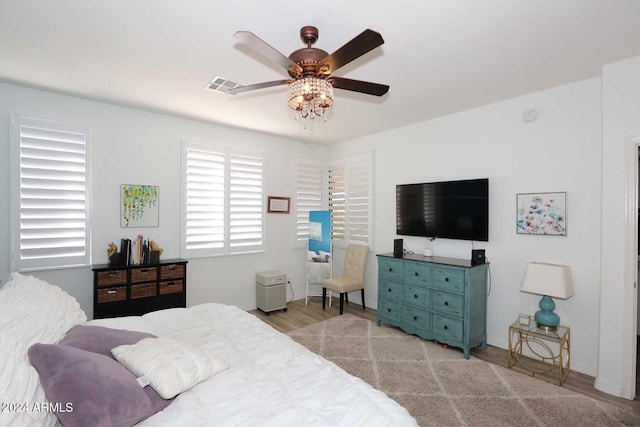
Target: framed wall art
542	213
277	204
139	206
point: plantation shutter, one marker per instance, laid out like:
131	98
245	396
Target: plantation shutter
245	203
50	196
309	194
222	201
350	199
203	201
358	199
337	202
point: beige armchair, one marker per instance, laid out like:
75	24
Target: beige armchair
352	277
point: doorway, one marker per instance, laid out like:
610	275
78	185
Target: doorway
637	253
631	323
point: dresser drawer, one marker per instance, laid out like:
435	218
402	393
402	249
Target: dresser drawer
172	271
390	268
144	274
390	290
144	290
389	311
171	287
450	304
110	278
448	279
418	274
417	296
118	293
447	327
416	319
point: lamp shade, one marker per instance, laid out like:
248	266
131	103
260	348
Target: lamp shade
553	280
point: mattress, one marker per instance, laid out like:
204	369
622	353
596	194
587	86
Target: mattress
271	380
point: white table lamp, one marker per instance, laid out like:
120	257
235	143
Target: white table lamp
548	280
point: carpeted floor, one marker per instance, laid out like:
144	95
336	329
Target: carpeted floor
440	388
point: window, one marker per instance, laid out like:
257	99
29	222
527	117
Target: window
222	201
310	193
50	194
348	196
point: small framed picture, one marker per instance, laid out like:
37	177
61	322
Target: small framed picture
139	205
524	319
542	213
277	204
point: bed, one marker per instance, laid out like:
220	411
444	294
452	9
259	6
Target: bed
226	368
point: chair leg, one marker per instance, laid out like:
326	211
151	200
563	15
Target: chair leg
324	296
362	293
346	297
341	302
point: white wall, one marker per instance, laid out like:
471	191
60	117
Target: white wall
136	147
560	151
621	120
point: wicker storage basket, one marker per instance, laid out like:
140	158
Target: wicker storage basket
143	290
110	278
171	271
171	287
144	274
112	294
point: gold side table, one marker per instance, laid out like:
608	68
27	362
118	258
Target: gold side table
540	343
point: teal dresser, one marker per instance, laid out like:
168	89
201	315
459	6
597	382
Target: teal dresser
443	299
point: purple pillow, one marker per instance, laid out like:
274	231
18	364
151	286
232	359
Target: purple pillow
98	339
88	388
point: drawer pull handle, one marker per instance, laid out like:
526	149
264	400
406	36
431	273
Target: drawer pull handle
112	274
171	283
172	267
416	273
388	310
446	279
446	327
144	270
446	303
415	296
112	291
390	269
415	317
389	289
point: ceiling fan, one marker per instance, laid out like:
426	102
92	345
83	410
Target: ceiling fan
311	83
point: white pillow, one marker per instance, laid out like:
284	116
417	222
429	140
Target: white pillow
169	366
31	311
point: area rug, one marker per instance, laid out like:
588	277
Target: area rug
440	388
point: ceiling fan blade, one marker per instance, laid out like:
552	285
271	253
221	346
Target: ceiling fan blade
358	46
266	50
358	86
240	89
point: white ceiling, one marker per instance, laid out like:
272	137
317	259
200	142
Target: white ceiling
439	56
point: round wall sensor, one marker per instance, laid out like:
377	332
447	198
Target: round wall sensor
529	115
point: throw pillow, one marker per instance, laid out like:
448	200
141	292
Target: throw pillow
98	339
86	388
170	366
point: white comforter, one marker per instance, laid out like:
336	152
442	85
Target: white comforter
272	380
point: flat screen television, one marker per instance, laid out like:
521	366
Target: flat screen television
450	209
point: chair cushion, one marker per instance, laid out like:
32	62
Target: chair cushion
343	284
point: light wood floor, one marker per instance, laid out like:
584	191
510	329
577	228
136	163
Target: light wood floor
299	315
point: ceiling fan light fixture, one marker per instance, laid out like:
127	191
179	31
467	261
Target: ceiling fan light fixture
310	97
